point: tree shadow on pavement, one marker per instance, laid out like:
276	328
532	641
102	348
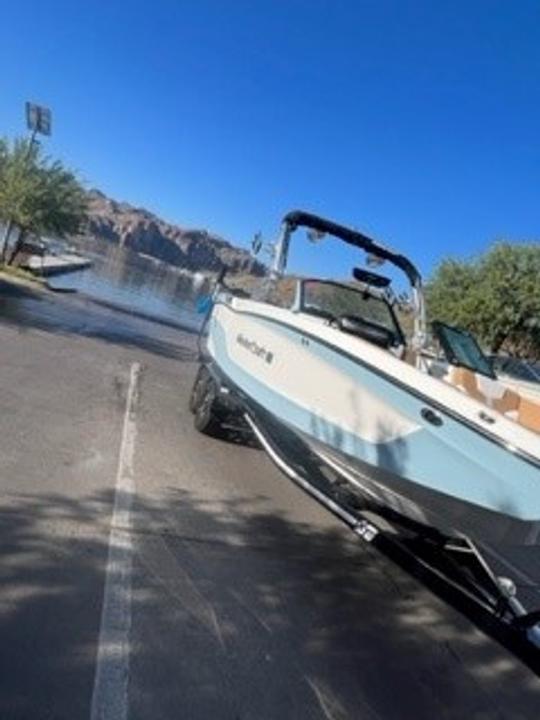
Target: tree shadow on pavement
307	622
51	575
237	612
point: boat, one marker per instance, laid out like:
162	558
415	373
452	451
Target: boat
48	265
46	257
419	427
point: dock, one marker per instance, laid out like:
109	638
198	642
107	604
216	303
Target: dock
48	265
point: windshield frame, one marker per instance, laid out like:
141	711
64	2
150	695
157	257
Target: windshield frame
297	219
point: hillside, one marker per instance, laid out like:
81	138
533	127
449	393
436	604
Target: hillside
143	232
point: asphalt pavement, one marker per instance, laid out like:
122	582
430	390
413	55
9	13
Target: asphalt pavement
148	572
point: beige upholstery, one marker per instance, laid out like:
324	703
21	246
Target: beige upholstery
496	396
529	414
508	403
466	381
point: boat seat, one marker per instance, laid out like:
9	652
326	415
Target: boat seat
466	381
508	404
486	390
529	414
494	391
497	396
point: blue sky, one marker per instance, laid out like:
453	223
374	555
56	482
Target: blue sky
418	122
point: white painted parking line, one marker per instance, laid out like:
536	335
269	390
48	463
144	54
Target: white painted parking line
110	696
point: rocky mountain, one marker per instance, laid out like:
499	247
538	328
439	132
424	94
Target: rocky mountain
143	232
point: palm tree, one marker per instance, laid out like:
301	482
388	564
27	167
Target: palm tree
37	195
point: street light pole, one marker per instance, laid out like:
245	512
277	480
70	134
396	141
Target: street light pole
31	143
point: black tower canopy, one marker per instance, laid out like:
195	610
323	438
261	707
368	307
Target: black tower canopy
299	218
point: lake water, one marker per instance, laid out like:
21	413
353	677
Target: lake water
137	284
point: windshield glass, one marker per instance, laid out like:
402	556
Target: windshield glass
461	349
516	368
332	300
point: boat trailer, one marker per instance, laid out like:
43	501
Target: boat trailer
454	564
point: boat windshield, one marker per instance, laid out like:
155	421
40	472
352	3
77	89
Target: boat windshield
461	349
332	300
516	368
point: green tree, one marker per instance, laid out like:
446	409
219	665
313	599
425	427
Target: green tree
37	195
495	296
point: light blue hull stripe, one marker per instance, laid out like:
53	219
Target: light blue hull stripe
452	459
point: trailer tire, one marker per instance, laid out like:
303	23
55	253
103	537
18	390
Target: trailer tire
197	391
206	413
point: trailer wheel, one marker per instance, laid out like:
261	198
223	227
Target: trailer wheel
197	391
207	417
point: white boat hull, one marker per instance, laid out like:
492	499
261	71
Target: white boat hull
357	407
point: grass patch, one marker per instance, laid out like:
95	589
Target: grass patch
17	273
